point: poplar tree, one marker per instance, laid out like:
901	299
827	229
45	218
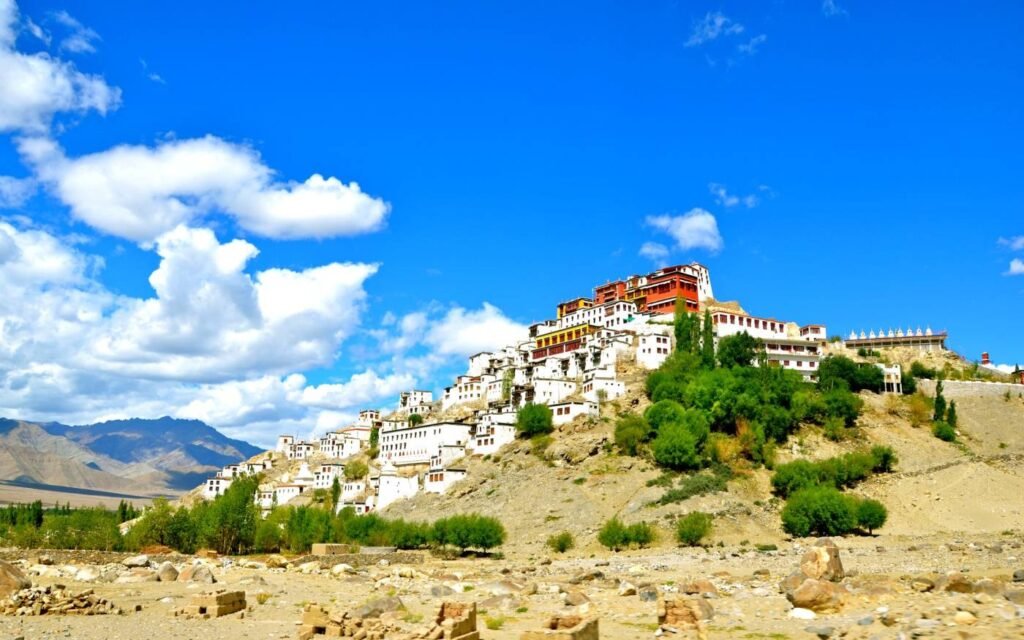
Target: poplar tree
940	404
707	343
951	418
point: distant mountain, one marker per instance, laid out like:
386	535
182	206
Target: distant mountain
165	456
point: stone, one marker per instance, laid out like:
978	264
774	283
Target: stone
277	562
698	587
200	573
818	595
822	562
987	586
87	574
342	568
213	605
503	588
566	627
627	589
441	591
922	584
802	614
141	560
375	608
138	574
575	598
1016	596
684	611
647	594
587	576
44	560
309	567
821	632
167	573
11	579
1018	575
964	618
954	582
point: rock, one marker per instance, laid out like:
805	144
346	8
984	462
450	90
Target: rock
684	611
821	632
987	586
167	573
167	600
866	621
1018	575
762	574
529	589
87	574
922	584
822	562
964	617
141	560
277	562
575	598
503	588
137	574
700	587
1016	596
309	567
342	568
505	603
44	560
802	614
586	576
647	594
818	595
11	579
200	573
375	608
955	582
441	591
627	589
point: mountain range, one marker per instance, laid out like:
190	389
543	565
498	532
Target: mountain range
136	457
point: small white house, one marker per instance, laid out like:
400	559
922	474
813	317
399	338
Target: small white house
392	487
439	480
215	486
595	383
565	412
284	443
652	350
324	477
285	493
416	445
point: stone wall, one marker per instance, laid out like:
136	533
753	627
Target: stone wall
953	389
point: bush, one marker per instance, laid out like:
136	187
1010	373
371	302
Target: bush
820	511
356	470
676	448
562	542
846	470
698	485
631	431
884	459
615	535
533	420
835	429
871	515
415	420
692	528
943	431
918	370
738	350
469	531
841	403
663	412
794	476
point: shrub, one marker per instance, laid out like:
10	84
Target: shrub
561	542
920	410
738	350
698	485
692	528
908	383
613	534
835	429
675	448
918	370
794	476
356	470
871	515
469	531
943	431
631	430
820	511
840	403
640	534
533	420
664	412
415	419
884	459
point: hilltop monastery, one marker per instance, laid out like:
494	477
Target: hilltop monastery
568	363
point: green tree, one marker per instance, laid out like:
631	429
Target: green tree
871	515
663	412
335	493
533	420
943	431
562	542
939	412
675	447
707	342
951	417
683	327
738	350
415	420
820	511
232	518
613	534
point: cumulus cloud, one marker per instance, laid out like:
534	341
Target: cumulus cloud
80	38
139	192
1016	267
213	341
463	332
654	251
15	191
1015	243
37	86
711	26
696	229
751	46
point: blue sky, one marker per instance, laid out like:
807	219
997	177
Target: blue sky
847	163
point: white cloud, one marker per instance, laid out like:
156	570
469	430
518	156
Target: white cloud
80	38
463	332
1015	243
212	343
36	87
726	199
654	251
139	192
831	8
15	191
1016	267
751	47
711	26
37	32
696	229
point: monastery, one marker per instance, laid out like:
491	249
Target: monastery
568	363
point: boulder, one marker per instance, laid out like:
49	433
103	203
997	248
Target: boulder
200	573
277	562
822	562
375	608
309	567
575	598
342	568
1018	575
922	584
698	587
954	582
818	595
647	593
627	589
684	611
441	591
141	560
87	574
136	574
12	579
167	572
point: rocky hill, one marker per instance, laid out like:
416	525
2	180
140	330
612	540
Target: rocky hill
134	457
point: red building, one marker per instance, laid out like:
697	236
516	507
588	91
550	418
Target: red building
655	292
